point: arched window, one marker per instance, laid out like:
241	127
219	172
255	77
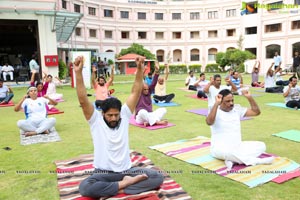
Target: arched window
296	47
271	49
177	55
160	54
109	50
195	55
212	52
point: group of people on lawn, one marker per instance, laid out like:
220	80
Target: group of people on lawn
109	127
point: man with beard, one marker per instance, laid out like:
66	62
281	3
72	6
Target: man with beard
226	141
101	86
109	129
144	112
291	93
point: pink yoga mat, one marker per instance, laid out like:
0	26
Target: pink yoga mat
10	103
287	176
204	112
133	122
194	96
54	112
59	100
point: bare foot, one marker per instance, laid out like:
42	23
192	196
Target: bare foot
146	124
30	133
45	132
130	180
162	122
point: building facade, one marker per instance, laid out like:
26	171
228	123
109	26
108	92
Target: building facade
186	31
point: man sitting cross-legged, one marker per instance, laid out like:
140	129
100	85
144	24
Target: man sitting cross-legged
113	171
160	93
226	139
291	93
144	112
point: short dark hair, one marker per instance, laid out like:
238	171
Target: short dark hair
191	71
38	83
111	103
150	74
217	76
202	74
291	78
101	77
225	93
49	76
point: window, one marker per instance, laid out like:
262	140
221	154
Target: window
124	14
176	35
77	8
195	55
108	34
272	28
92	11
125	34
275	6
194	15
297	2
213	34
231	13
212	14
176	16
159	35
160	58
296	24
64	4
93	33
252	50
212	54
141	15
142	35
230	32
194	35
160	55
159	16
108	13
271	49
251	30
78	31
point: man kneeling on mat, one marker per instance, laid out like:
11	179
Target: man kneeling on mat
226	141
113	168
35	109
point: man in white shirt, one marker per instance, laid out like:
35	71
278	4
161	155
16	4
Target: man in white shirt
213	88
270	85
291	93
226	140
277	61
200	85
113	168
33	65
8	70
190	81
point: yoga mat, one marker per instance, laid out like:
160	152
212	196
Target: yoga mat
54	112
10	103
40	138
286	177
280	105
169	104
204	112
293	135
72	171
194	96
154	127
197	151
186	90
59	100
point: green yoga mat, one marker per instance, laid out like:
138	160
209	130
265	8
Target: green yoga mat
293	135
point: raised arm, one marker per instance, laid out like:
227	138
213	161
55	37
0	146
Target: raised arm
254	109
269	70
32	77
229	82
94	70
86	106
211	117
112	75
137	85
19	104
167	71
51	101
206	88
254	66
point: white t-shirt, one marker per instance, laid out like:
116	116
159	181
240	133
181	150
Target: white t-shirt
34	66
201	85
3	91
51	88
35	109
226	131
111	146
7	68
269	81
213	92
192	80
160	89
294	93
278	77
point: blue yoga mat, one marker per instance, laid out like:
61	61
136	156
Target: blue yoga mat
279	104
293	135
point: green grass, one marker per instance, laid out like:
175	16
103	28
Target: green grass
76	140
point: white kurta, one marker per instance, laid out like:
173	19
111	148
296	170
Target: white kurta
226	140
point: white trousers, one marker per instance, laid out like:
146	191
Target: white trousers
11	74
150	117
246	153
39	126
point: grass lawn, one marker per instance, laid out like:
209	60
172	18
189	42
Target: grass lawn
76	140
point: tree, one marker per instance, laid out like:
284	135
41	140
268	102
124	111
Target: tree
137	49
233	57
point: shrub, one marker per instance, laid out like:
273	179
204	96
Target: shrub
212	68
62	69
196	68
